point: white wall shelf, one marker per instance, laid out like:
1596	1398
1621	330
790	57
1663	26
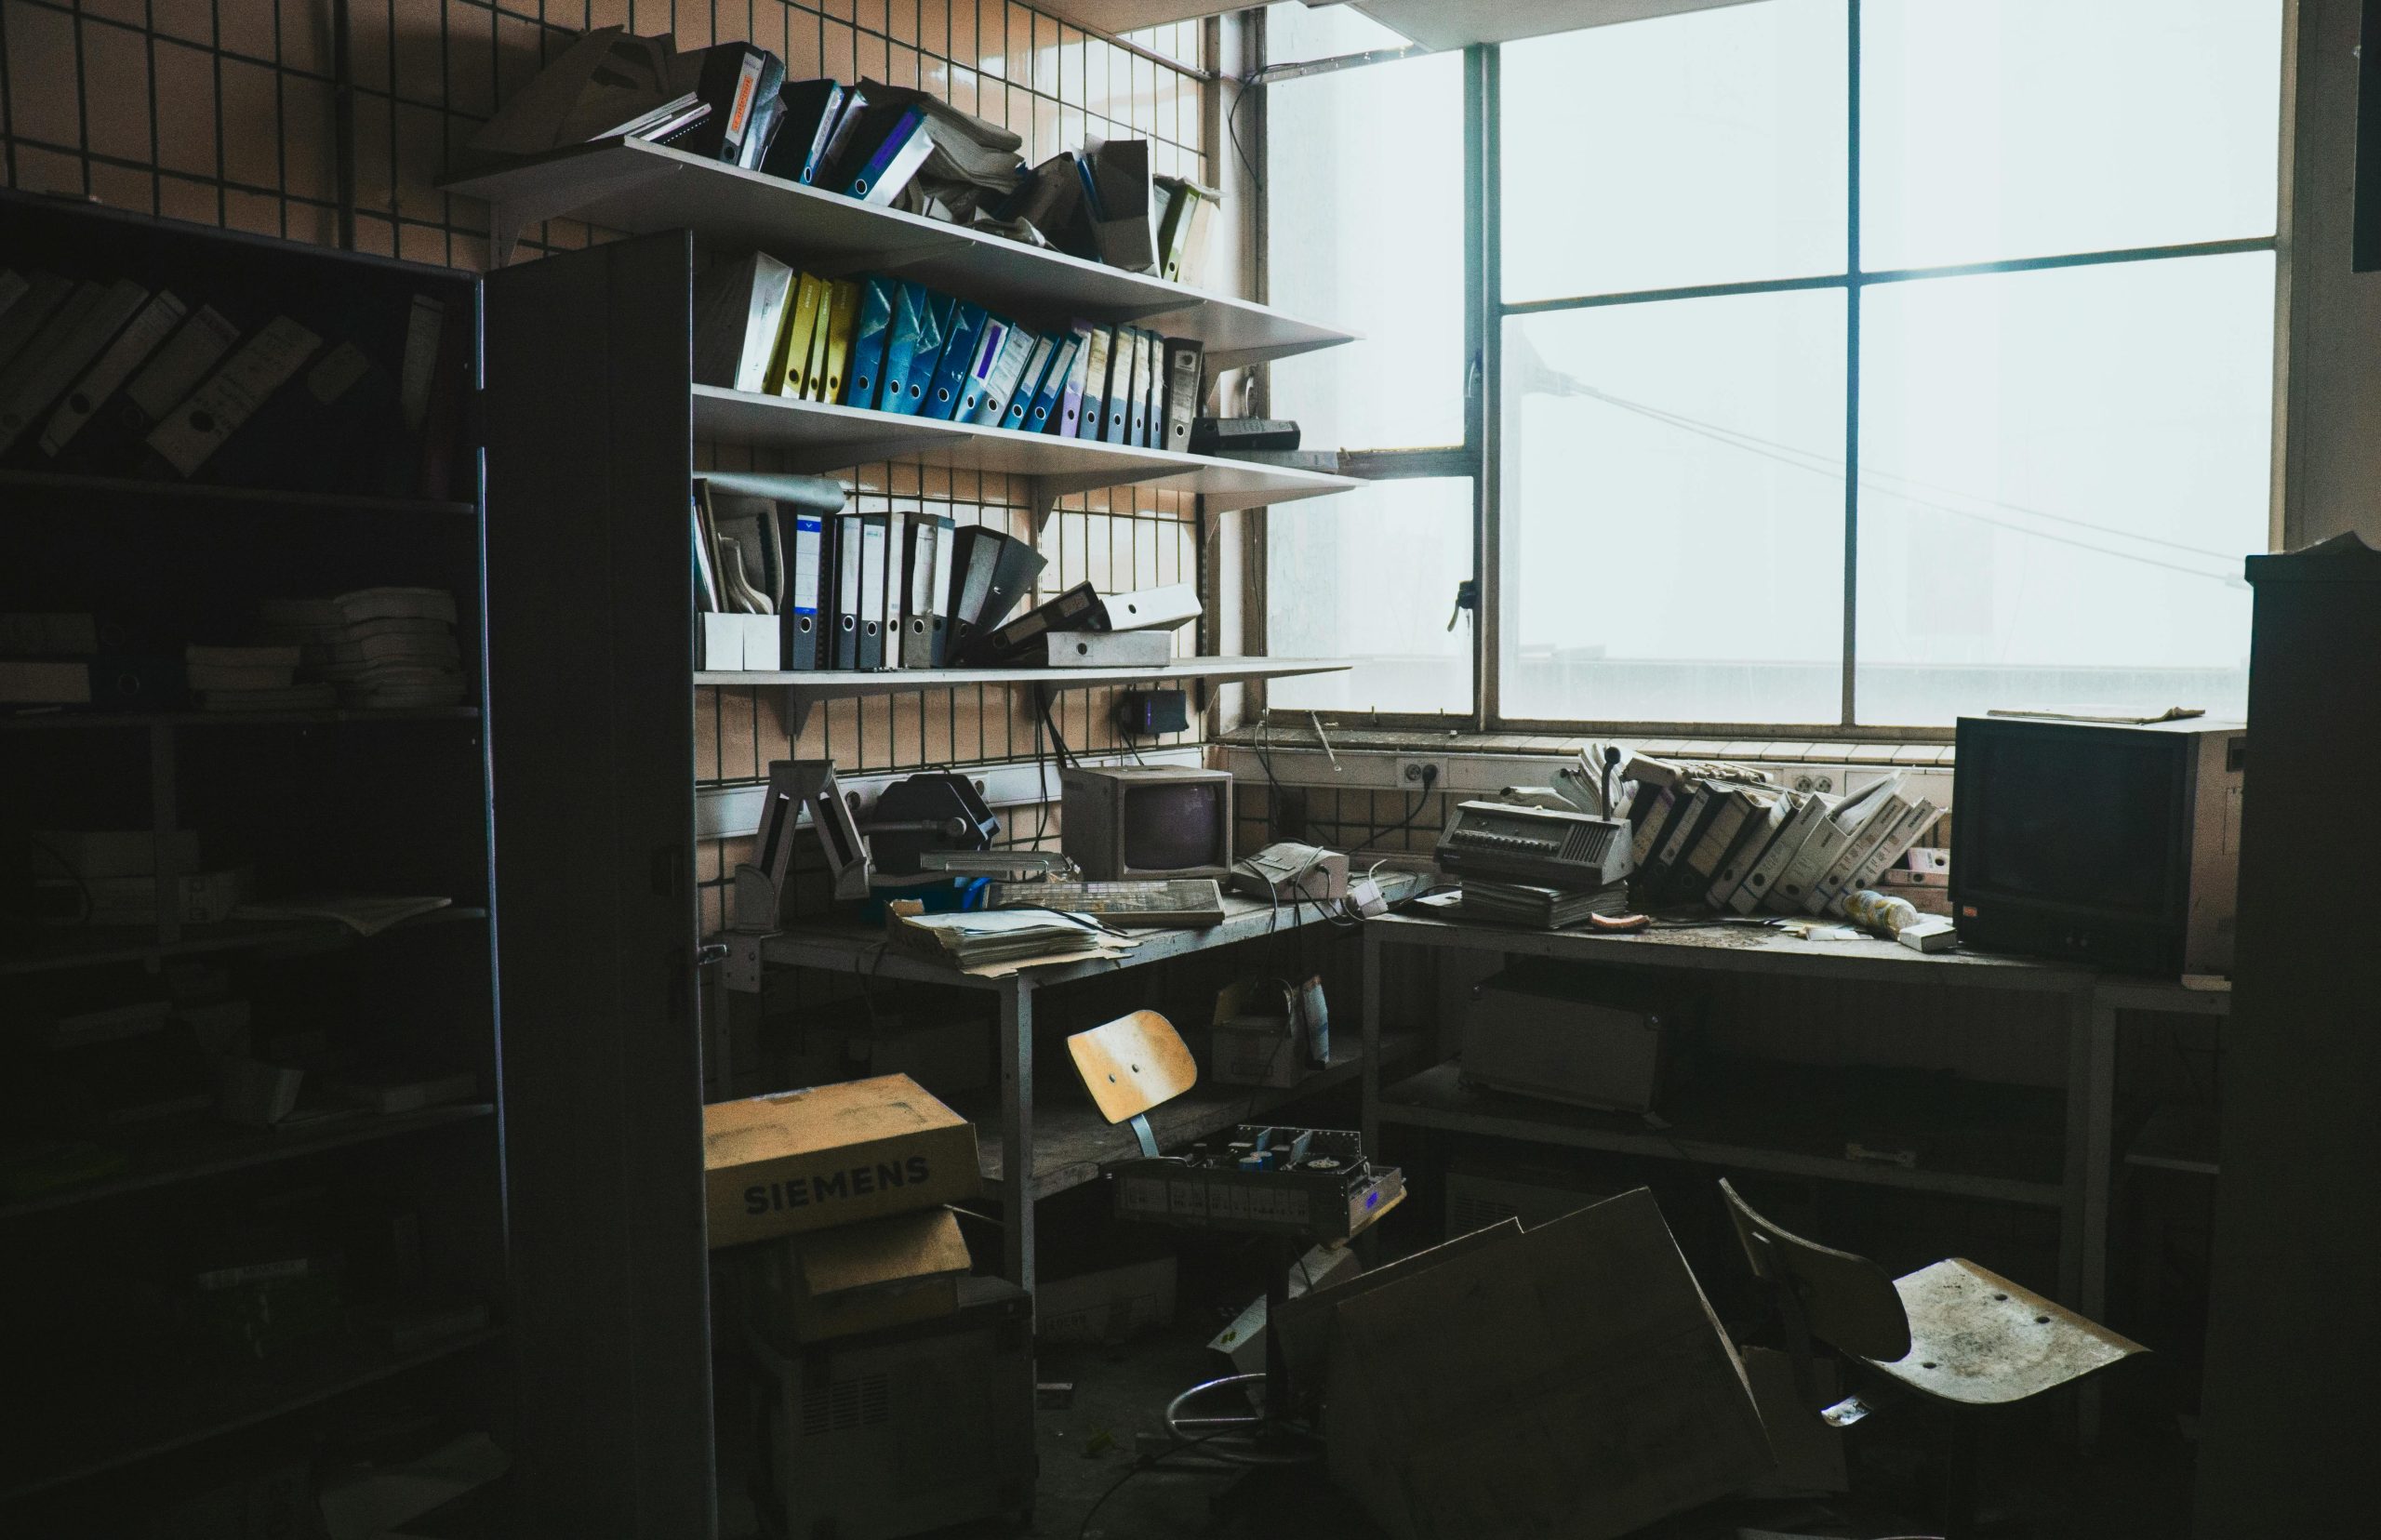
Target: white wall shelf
628	185
804	690
818	437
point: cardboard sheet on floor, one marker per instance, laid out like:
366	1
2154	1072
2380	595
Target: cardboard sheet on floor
1565	1383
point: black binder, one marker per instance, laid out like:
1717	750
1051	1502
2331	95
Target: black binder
847	587
990	572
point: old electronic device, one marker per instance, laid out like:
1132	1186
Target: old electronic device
1545	845
2115	843
1152	713
1259	1178
939	810
1157	820
1179	901
898	1431
1551	1033
915	818
1292	874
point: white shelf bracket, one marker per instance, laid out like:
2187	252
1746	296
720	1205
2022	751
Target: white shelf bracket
509	215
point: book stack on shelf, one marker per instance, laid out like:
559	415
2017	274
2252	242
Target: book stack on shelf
373	649
1728	836
886	345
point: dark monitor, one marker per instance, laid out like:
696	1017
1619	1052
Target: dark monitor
1148	821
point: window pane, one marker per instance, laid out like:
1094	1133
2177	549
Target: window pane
1371	574
2060	472
1673	492
2031	127
1388	268
1698	148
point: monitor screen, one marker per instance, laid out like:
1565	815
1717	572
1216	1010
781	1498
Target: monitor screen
2071	817
1172	825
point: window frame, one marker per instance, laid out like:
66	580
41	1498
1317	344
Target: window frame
1480	455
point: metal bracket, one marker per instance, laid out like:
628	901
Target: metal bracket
1144	1133
507	217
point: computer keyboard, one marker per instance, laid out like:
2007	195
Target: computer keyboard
1173	901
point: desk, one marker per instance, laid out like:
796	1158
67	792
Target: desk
1435	1099
1068	1148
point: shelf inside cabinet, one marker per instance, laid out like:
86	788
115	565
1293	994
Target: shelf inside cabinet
200	494
93	946
818	437
806	690
629	185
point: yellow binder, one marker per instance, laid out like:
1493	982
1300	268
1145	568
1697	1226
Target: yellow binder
842	315
814	384
790	362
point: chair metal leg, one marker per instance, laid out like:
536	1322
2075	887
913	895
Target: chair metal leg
1961	1432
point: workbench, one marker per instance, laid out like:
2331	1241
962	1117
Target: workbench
1026	1156
1436	1098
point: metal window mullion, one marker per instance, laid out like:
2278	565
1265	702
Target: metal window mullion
1849	712
1483	405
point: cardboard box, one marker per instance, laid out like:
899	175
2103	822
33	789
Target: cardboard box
737	643
1107	1306
855	1277
831	1155
1566	1381
1255	1051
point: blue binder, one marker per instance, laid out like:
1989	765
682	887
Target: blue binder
912	347
966	339
864	374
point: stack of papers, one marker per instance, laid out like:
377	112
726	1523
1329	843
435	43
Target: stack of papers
1004	940
251	679
1539	908
380	648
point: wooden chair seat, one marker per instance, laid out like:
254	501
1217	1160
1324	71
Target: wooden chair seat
1979	1340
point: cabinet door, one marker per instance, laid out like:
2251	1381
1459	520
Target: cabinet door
592	735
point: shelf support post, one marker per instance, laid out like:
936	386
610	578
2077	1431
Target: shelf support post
1016	1130
797	712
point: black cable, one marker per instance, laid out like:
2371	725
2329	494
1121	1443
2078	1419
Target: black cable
1421	800
1146	1462
1066	755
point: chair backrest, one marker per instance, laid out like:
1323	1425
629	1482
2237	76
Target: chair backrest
1844	1300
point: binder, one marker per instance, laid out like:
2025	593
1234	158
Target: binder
989	573
1092	423
896	159
790	362
897	589
1118	407
807	112
1183	358
847	605
918	602
161	384
1810	810
963	341
1069	412
1029	384
44	293
1137	425
1076	609
731	81
188	436
1793	891
1889	815
843	314
99	383
865	372
738	307
871	591
804	616
814	383
912	347
839	144
1043	408
937	591
62	350
1006	378
1154	433
984	369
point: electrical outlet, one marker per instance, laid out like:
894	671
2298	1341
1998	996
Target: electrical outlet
1412	774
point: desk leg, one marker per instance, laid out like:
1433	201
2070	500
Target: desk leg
1016	1132
2091	1134
1371	1071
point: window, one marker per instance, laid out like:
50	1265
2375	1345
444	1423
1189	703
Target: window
2014	261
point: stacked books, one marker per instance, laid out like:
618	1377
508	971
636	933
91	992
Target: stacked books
1539	908
1725	836
252	679
376	649
996	940
888	345
110	878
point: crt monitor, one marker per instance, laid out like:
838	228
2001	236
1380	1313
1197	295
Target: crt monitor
2106	842
1159	820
